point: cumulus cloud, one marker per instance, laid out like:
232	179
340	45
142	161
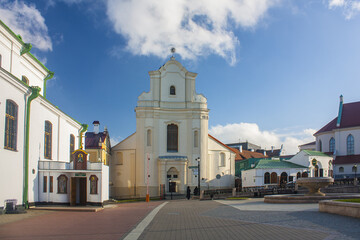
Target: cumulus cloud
235	132
350	7
27	21
194	28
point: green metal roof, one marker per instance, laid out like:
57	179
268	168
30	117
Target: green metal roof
266	164
315	153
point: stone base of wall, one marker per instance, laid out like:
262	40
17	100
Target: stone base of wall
341	208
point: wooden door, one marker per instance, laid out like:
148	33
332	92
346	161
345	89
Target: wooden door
72	191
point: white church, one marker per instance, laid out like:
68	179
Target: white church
170	141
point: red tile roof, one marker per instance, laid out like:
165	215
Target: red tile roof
350	117
231	149
349	159
245	154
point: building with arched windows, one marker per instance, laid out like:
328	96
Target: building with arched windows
37	139
171	134
340	138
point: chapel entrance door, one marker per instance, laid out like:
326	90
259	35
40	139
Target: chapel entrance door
78	191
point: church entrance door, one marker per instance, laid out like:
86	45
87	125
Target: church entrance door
78	191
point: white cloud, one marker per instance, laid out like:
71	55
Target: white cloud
27	21
194	28
235	132
350	7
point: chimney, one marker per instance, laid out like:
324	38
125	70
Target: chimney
240	148
340	111
96	126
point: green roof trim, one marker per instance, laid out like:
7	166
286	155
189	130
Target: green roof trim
25	48
315	153
270	164
22	42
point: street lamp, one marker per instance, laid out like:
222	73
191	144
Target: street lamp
355	180
198	160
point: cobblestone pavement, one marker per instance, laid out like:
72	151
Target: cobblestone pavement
110	223
9	218
249	219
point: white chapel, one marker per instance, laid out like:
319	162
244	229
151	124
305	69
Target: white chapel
171	139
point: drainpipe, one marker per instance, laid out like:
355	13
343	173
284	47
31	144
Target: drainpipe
48	77
34	94
84	128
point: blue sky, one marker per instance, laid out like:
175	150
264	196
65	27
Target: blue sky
272	70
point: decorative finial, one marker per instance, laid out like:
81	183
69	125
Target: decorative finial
173	50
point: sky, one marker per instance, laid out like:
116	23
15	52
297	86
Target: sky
271	70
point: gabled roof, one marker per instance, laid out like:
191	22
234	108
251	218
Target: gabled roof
224	145
270	164
92	140
308	144
350	117
245	154
349	159
315	153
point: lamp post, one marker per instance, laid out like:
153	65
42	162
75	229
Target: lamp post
198	160
170	188
355	180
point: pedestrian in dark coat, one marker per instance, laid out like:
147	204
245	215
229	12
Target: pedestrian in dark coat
188	192
196	191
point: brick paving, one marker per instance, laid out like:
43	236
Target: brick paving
111	223
206	220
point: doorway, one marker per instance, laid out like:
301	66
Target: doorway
78	191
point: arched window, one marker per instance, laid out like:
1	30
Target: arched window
222	159
25	80
11	125
196	139
93	184
341	169
320	146
267	178
316	171
332	145
62	184
148	138
48	140
172	90
72	144
298	175
172	138
350	145
283	178
304	175
273	177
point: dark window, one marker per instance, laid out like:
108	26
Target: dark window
11	125
172	138
332	145
316	171
45	184
304	175
25	80
172	90
320	146
283	178
291	178
267	178
51	185
341	169
354	169
175	176
62	184
298	175
93	184
350	144
48	140
148	138
196	139
168	176
72	144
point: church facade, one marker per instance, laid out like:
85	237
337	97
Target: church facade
170	141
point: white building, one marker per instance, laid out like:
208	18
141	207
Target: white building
318	163
341	138
37	138
171	133
272	172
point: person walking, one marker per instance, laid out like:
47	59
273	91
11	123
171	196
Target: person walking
188	192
